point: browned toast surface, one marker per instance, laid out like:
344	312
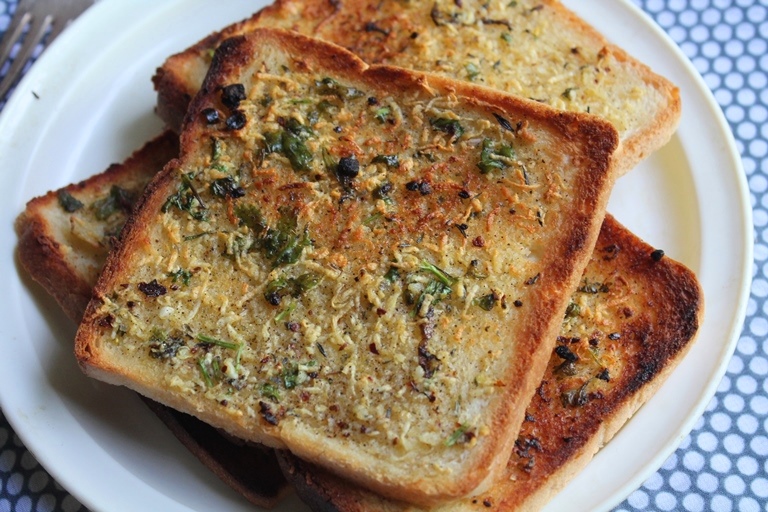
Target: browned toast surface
632	319
367	222
532	48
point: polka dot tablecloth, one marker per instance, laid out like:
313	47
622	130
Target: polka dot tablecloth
723	464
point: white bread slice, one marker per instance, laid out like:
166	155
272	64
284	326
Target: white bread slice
66	234
536	49
339	259
633	319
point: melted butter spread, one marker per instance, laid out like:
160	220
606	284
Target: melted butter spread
388	322
524	47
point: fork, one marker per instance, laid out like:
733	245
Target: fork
41	17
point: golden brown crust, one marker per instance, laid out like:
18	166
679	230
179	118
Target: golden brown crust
656	321
41	256
585	141
390	34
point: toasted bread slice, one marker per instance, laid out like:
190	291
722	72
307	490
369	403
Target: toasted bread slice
532	48
633	318
330	240
65	235
64	238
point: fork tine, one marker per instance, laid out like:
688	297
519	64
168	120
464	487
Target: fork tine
68	11
36	33
13	33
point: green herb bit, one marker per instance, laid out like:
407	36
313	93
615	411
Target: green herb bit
283	244
291	253
487	302
382	113
576	397
290	142
443	276
117	200
313	117
472	71
251	217
441	18
457	434
489	156
475	271
382	192
285	313
208	340
593	288
569	94
293	286
68	202
296	152
204	372
163	347
181	274
215	149
298	129
226	187
430	157
371	219
273	142
392	275
186	199
329	86
329	162
238	354
290	375
188	238
507	37
450	126
573	310
325	107
436	289
388	160
270	391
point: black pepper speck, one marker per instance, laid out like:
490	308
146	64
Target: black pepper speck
348	167
211	115
236	121
232	95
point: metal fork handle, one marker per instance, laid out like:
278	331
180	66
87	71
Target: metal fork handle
40	15
34	36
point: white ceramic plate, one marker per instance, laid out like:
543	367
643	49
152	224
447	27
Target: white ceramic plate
89	102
